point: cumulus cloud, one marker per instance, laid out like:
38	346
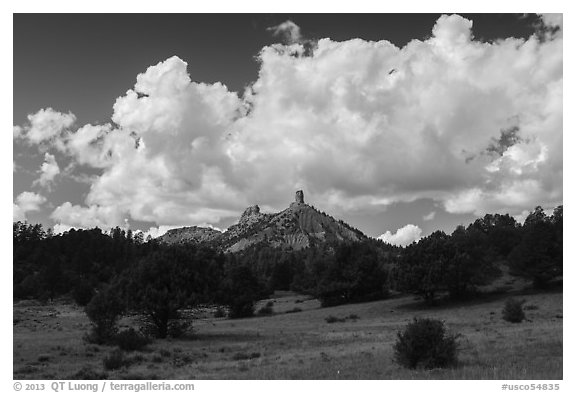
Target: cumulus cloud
46	125
104	217
26	202
61	228
155	232
338	123
48	171
553	21
16	131
404	236
288	31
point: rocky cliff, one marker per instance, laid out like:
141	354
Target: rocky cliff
297	227
192	234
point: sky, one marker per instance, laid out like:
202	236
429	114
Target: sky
399	124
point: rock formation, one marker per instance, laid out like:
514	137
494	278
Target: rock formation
249	213
300	197
296	227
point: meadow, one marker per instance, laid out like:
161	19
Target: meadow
300	340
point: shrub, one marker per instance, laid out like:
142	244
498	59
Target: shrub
82	293
87	373
241	309
245	356
115	360
268	309
425	343
44	357
180	360
333	294
220	312
512	311
179	327
333	319
104	310
131	340
175	327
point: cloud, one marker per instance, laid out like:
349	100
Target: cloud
452	32
16	131
104	217
26	202
49	170
61	228
91	146
336	123
403	236
46	125
429	217
288	31
155	232
553	20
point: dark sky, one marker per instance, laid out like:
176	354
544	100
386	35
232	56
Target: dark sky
83	62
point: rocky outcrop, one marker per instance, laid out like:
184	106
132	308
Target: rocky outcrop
299	226
250	215
299	197
192	234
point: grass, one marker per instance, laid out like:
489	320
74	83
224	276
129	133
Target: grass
301	345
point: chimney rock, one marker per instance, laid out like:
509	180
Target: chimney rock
300	197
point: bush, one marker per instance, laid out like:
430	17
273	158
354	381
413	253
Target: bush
115	360
512	311
333	294
104	310
241	309
179	327
131	340
240	291
246	356
175	327
333	319
268	309
220	312
82	293
425	343
44	357
87	373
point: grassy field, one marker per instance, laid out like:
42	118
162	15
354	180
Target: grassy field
48	343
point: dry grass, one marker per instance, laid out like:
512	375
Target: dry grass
48	343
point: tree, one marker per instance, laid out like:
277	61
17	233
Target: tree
240	290
353	274
169	280
471	262
502	231
104	311
422	267
538	256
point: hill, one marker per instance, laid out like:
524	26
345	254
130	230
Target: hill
297	227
